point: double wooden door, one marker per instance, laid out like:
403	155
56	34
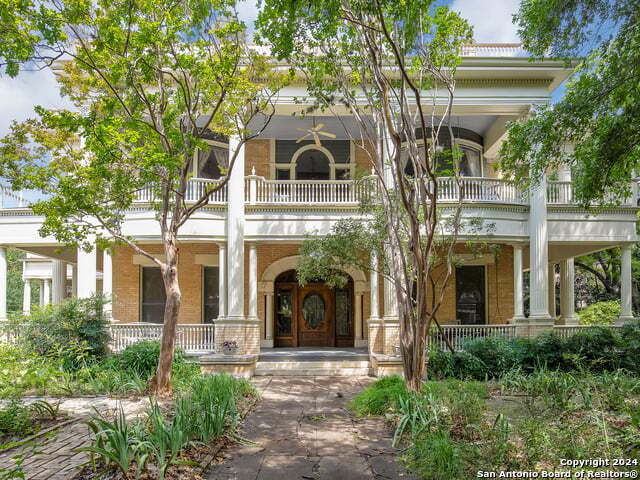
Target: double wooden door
306	316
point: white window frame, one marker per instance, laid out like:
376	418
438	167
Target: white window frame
196	159
462	142
291	166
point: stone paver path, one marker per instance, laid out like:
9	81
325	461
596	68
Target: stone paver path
301	429
53	456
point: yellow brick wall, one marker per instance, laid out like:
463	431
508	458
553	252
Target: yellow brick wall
258	156
126	282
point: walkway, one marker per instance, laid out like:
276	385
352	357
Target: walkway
301	429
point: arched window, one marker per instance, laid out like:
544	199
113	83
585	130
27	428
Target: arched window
313	165
471	162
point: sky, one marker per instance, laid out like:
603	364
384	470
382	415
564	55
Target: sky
491	20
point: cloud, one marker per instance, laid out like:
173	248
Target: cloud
18	96
248	12
491	19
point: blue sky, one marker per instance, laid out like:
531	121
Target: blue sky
491	20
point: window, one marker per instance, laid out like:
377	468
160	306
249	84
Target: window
209	162
313	165
343	312
471	161
210	294
153	295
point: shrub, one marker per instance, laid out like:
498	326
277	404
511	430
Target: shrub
498	354
600	313
380	397
630	347
15	419
141	358
596	349
74	330
459	365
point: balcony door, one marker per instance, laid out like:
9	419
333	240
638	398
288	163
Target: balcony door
470	295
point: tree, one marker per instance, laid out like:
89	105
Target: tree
150	80
388	62
595	127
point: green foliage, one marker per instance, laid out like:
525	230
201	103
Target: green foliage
601	313
141	359
376	399
203	413
76	330
15	419
596	349
435	456
598	116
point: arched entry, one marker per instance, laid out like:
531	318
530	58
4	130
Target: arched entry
313	315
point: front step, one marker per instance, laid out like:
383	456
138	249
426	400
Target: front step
312	367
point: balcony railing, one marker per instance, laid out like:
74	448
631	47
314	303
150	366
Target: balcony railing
11	199
196	188
458	334
259	190
493	50
478	189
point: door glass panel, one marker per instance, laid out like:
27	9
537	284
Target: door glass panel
343	312
153	295
470	295
210	294
313	310
284	313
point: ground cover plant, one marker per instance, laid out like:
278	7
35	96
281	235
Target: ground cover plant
168	441
18	420
454	428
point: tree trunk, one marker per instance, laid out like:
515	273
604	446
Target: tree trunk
161	383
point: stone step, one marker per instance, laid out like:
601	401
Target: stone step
313	367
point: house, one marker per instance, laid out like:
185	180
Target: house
238	255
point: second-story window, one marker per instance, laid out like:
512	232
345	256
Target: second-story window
209	161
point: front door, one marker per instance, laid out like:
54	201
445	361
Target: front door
315	316
470	295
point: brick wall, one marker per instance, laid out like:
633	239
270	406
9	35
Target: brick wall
126	282
258	156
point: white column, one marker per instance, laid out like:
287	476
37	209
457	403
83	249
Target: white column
268	330
567	293
41	293
235	236
390	300
87	273
74	281
222	280
373	280
626	309
3	283
552	290
538	250
518	298
59	280
26	297
253	281
107	275
46	295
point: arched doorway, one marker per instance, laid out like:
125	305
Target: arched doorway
313	164
313	315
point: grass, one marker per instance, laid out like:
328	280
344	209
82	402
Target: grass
453	428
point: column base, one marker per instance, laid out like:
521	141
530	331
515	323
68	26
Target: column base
245	332
243	366
625	320
375	341
360	343
573	320
534	325
391	336
266	343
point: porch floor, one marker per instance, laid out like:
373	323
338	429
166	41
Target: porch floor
313	361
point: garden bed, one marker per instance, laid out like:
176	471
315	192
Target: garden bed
21	423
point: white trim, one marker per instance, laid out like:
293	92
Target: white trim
312	146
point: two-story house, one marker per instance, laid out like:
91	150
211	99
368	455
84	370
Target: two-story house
238	254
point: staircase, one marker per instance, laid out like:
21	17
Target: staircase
314	361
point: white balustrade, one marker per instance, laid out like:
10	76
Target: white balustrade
307	192
478	189
458	334
192	338
196	188
493	50
565	331
560	193
10	198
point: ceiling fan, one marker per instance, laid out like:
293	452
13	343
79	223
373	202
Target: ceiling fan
315	131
